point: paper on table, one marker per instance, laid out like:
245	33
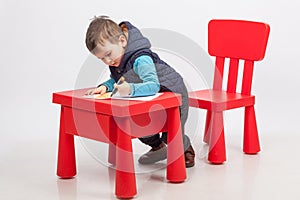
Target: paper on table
107	96
145	98
98	96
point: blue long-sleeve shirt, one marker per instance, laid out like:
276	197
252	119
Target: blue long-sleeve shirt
144	67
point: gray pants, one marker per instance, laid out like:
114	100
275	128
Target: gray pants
155	140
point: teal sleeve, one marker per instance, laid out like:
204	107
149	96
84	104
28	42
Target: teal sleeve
144	67
109	84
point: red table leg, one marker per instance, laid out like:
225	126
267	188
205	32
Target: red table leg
176	171
112	144
66	163
125	174
217	151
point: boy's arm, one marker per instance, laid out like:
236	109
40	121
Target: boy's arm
109	84
145	68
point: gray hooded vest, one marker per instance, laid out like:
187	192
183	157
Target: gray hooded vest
138	45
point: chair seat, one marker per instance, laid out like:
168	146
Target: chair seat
217	100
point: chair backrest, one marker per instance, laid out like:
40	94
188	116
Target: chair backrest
236	40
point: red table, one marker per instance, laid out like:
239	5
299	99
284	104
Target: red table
116	122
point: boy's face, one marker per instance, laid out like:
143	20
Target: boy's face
111	54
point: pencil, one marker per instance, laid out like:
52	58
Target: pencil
115	90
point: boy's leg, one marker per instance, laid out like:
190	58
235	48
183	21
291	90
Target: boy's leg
183	110
189	152
152	141
159	150
185	139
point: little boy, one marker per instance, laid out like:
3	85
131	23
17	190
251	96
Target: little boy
128	54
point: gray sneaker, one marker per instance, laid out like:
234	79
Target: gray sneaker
154	155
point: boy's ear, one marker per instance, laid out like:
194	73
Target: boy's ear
123	40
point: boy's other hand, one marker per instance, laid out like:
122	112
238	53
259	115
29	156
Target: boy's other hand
123	89
99	90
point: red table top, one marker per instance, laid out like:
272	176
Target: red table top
115	107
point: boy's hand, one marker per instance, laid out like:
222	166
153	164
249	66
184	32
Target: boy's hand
99	90
123	89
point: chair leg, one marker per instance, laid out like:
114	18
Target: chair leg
217	151
66	162
251	140
207	130
125	174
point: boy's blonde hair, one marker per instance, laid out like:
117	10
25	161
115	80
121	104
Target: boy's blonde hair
101	29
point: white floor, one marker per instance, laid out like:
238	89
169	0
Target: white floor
27	171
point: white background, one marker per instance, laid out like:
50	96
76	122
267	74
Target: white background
42	50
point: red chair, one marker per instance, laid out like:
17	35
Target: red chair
235	40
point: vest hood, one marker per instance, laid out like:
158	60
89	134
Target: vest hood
135	42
